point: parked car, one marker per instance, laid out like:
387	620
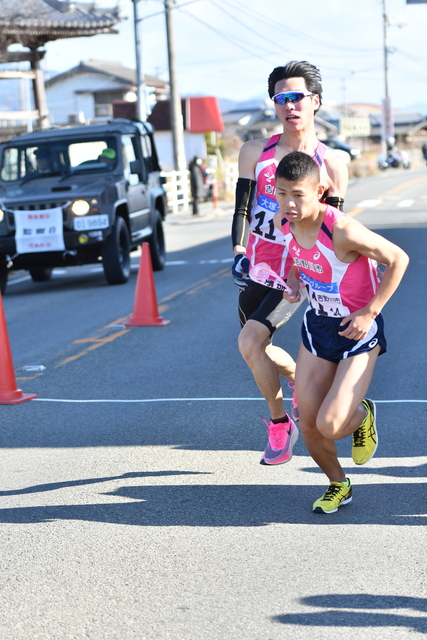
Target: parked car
80	195
334	144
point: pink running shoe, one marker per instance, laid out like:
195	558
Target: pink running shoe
281	438
294	406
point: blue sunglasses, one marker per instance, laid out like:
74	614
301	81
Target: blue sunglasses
290	96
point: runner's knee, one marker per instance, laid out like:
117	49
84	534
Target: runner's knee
252	343
249	346
329	425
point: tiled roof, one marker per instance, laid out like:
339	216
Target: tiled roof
52	19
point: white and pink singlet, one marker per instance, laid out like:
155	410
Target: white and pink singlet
335	288
267	243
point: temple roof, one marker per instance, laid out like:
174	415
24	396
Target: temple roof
32	23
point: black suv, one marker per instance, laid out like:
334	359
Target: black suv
80	195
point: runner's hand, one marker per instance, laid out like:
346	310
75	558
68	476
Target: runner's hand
240	271
358	324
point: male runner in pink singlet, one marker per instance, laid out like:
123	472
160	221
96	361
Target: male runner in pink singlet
336	258
296	91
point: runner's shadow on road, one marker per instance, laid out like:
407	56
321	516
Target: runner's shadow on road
338	617
417	471
53	486
235	506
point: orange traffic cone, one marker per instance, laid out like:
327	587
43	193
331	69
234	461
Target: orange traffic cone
9	394
145	311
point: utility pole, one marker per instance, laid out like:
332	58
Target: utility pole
140	85
385	25
177	124
387	112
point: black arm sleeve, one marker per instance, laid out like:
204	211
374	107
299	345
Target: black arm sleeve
335	201
240	227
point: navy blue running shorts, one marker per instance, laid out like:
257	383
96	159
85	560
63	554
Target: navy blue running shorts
320	337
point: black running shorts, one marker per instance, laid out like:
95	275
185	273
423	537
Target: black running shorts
265	305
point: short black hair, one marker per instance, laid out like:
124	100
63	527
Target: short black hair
294	69
297	166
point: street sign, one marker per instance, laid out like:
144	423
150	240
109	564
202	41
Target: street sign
355	127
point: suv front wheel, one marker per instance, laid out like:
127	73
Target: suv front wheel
116	254
3	275
40	274
157	243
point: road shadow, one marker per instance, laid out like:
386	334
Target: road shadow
417	471
187	425
235	506
53	486
336	615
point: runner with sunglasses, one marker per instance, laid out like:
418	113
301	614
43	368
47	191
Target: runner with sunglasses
297	93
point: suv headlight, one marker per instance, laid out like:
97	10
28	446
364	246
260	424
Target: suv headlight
1	215
80	207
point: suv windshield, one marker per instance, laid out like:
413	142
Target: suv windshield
22	162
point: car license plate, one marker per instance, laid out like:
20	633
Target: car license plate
91	222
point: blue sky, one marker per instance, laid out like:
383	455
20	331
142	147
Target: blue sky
227	48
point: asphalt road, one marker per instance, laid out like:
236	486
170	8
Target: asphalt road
132	502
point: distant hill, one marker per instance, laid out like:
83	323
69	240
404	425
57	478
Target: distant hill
231	105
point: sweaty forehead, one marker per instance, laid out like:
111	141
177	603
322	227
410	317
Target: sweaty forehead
290	84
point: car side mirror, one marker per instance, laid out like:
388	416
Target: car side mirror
135	166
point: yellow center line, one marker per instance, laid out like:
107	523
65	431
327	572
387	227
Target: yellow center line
33	377
400	187
97	341
355	211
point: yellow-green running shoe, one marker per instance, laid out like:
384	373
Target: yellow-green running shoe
365	438
337	494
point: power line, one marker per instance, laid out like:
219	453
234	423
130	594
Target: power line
234	41
259	17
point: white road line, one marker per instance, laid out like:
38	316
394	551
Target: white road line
134	267
146	400
406	203
10	282
368	204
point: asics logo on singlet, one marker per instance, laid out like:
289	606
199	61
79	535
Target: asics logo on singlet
373	343
296	249
268	176
316	255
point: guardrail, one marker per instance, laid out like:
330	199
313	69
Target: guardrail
177	187
231	175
